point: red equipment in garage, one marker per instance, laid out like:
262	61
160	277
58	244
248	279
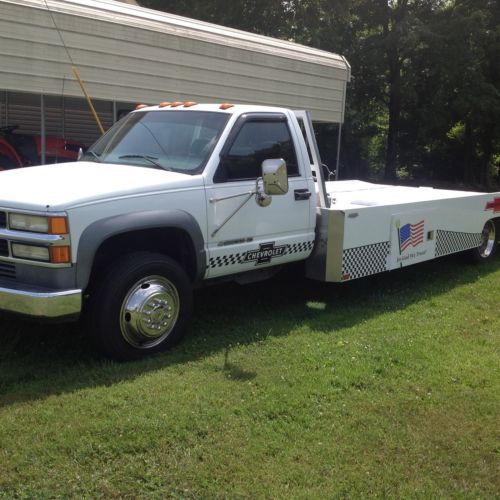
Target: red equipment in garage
24	150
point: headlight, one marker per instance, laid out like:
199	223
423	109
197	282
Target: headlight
34	223
39	223
30	252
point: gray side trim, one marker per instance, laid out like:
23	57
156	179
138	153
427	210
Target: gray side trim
95	234
63	278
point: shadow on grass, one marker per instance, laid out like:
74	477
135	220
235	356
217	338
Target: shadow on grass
37	361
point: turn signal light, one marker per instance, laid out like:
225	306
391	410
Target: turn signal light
58	225
60	255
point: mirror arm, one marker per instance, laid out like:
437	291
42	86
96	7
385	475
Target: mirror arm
248	195
262	200
222	198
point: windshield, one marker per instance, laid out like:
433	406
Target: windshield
181	141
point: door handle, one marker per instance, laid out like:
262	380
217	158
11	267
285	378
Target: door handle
302	194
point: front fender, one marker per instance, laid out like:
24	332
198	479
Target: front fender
98	232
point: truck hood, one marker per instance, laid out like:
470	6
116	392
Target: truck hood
66	185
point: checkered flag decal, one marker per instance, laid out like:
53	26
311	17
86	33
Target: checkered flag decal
303	246
365	260
451	241
238	258
225	260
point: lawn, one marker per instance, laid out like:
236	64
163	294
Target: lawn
388	386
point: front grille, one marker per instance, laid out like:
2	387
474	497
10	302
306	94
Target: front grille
3	219
4	248
7	270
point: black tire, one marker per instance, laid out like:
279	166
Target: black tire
139	307
489	243
6	163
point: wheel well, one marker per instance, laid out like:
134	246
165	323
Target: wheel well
173	242
496	221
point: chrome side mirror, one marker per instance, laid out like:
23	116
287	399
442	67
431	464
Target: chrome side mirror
275	177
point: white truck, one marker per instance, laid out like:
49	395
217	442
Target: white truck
183	193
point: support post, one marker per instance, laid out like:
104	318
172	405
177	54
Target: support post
63	117
337	163
42	130
6	107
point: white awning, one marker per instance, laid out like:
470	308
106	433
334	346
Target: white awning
131	54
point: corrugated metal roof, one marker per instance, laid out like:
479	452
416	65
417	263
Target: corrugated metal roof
128	53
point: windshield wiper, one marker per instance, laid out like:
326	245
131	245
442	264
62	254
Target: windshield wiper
151	159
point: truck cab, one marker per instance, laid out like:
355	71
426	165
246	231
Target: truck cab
180	185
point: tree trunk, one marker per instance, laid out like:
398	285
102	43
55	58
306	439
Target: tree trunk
487	146
468	174
391	159
392	36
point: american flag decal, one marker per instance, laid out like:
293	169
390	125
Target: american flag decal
410	235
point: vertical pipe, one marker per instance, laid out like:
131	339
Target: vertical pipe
337	163
63	117
42	129
6	107
114	112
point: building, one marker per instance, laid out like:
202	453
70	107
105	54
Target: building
127	54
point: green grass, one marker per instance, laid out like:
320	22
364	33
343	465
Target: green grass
389	386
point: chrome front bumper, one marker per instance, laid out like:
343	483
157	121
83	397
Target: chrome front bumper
39	302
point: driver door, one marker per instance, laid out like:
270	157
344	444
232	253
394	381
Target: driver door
242	234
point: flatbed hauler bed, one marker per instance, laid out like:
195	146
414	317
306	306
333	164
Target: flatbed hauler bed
371	228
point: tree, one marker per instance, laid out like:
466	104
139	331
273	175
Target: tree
452	111
266	17
424	100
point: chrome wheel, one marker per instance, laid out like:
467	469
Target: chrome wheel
149	312
488	238
139	307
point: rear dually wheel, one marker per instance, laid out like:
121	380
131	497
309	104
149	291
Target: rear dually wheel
488	246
